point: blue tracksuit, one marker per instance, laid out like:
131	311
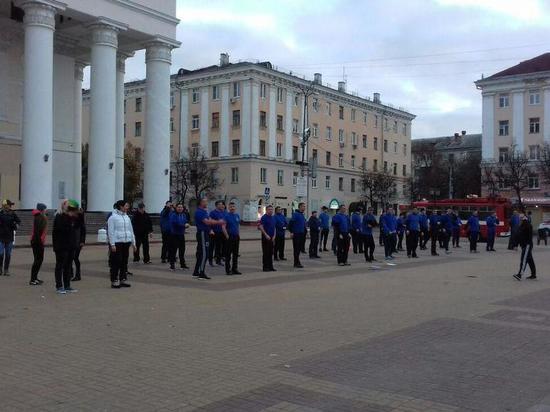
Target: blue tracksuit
369	221
473	226
412	222
492	223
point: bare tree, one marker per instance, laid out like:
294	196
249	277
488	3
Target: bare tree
489	179
543	165
368	186
378	187
514	171
430	169
467	175
133	171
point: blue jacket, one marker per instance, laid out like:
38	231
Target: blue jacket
280	224
341	223
413	222
165	220
423	221
473	223
325	220
217	215
314	224
233	221
177	223
514	221
446	222
400	226
369	221
435	222
297	223
492	222
456	222
356	222
389	223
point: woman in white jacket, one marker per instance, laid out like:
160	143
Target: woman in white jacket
121	236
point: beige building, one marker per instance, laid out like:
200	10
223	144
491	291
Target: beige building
516	112
248	117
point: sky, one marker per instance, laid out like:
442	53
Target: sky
422	55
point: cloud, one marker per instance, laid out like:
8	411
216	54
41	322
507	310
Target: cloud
526	11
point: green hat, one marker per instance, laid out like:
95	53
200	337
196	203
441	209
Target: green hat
72	204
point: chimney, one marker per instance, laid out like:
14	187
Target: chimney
376	98
464	133
456	134
342	87
224	59
318	78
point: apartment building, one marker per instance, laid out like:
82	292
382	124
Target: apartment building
248	118
516	112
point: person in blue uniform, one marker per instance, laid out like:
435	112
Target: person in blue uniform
217	251
356	231
314	225
446	229
381	236
424	229
324	217
342	226
297	228
455	230
165	230
178	224
400	229
389	225
231	231
492	222
412	226
267	227
367	224
514	227
203	223
280	230
473	231
435	230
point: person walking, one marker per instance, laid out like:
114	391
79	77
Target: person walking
400	230
324	218
381	236
514	227
525	240
298	230
217	251
38	240
81	236
356	220
165	230
121	237
280	230
412	226
342	226
367	224
178	224
455	228
9	222
424	229
203	223
65	240
473	231
389	225
446	227
492	222
231	232
267	228
314	226
143	230
435	230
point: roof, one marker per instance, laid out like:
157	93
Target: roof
536	64
462	142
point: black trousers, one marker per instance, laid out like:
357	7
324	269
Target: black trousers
456	236
446	237
232	254
424	237
324	239
412	242
389	244
343	248
201	253
165	246
119	261
381	237
298	240
491	233
400	240
216	251
76	260
267	253
434	235
334	244
177	247
527	259
473	236
369	246
38	254
142	240
313	243
63	262
279	248
303	250
357	242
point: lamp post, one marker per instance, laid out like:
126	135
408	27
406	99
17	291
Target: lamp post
306	90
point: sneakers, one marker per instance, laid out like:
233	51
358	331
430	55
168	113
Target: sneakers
236	272
203	277
115	284
184	266
123	284
6	273
76	278
71	290
60	291
34	283
532	277
517	276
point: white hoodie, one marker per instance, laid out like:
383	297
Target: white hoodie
119	228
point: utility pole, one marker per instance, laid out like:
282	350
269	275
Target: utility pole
306	90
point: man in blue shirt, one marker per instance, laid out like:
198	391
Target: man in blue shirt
492	223
455	231
435	229
314	226
368	222
412	226
424	229
203	223
267	227
178	224
400	230
325	229
389	226
297	228
446	229
473	231
165	230
231	232
356	231
342	227
280	229
217	251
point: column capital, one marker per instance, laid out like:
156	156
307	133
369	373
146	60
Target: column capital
40	12
121	60
105	31
158	50
79	70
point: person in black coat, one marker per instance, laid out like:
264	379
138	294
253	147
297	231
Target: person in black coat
524	237
314	225
81	228
65	240
8	224
143	229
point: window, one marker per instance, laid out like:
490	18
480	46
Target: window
534	152
404	170
395	126
353	185
279	149
236	117
280	177
385	146
279	94
503	127
503	100
215	120
395	147
236	146
313	183
376	120
354	139
263	175
263	119
385	166
215	149
172	101
124	105
327	182
195	96
341	112
364	141
329	133
263	90
172	124
195	122
315	104
314	154
279	122
296	100
341	138
502	154
404	129
365	117
353	112
137	129
237	89
194	149
328	109
340	159
341	184
234	175
405	150
315	130
294	178
364	163
353	161
534	125
138	104
294	153
215	92
533	182
125	130
534	97
386	127
395	169
375	165
327	159
375	143
262	147
294	125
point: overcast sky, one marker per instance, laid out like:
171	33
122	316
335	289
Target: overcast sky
423	55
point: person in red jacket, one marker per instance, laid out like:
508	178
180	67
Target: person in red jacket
38	240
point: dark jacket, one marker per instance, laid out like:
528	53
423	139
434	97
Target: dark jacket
165	220
8	224
525	234
314	224
142	224
66	233
39	225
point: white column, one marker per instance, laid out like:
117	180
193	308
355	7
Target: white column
156	190
204	121
224	121
102	149
288	127
246	118
36	166
77	142
119	146
272	119
518	121
546	116
184	122
488	127
255	124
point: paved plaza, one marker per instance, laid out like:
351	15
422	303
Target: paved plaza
447	333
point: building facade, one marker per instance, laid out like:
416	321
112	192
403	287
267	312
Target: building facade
44	47
248	118
516	113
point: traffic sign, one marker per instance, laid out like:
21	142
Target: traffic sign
267	191
301	186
